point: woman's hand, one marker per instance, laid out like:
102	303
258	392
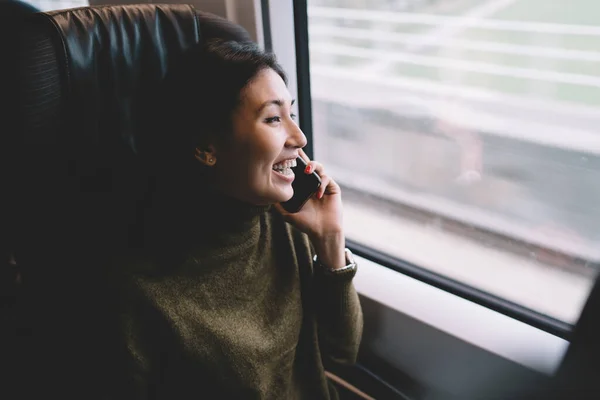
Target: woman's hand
321	218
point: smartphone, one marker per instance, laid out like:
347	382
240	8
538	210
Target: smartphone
304	185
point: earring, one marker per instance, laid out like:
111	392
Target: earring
210	160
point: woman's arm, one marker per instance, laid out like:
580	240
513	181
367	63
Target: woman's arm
339	315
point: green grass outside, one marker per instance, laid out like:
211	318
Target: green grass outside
578	12
508	85
575	12
580	67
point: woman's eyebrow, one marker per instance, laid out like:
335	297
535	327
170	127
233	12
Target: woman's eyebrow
277	102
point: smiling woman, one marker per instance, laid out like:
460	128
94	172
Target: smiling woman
236	116
223	297
265	140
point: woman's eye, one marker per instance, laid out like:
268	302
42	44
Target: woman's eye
273	119
293	116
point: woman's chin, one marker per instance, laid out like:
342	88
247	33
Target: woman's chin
276	194
284	195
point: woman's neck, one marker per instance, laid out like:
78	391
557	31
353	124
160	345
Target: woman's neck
201	209
227	210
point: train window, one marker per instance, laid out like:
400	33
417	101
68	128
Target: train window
466	136
50	5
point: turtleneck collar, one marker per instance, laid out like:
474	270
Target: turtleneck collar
228	215
199	214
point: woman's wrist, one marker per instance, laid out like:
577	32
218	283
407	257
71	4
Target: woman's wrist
330	250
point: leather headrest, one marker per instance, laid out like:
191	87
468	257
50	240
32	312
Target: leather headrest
88	71
86	78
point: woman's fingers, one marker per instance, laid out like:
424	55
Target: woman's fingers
325	183
314	166
328	185
303	156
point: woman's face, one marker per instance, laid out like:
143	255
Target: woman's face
254	165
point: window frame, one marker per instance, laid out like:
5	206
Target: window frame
303	71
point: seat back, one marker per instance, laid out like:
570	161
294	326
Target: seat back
86	78
578	375
12	16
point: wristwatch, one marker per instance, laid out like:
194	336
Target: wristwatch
350	267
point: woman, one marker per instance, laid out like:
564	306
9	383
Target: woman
230	304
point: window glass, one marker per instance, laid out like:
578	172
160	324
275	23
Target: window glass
466	137
50	5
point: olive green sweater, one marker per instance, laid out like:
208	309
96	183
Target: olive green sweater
246	315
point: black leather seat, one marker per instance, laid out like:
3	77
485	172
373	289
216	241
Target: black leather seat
578	377
86	78
12	15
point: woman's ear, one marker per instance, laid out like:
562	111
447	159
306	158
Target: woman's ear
206	155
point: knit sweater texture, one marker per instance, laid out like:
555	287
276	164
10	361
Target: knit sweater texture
245	315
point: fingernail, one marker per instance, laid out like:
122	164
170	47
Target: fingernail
320	196
307	169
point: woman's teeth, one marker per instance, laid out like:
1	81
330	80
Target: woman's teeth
285	167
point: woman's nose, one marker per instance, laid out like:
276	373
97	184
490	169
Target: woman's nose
296	137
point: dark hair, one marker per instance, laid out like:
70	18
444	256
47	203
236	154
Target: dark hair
203	90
